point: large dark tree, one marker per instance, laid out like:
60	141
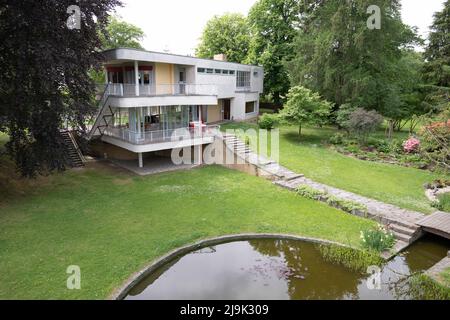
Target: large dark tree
274	24
44	80
339	56
437	54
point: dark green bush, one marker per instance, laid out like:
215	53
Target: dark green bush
356	260
268	121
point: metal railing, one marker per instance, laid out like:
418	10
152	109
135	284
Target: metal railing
149	90
173	135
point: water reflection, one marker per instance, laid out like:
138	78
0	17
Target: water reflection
279	269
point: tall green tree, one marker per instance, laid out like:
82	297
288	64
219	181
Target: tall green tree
228	34
437	54
305	107
274	25
44	79
121	34
339	56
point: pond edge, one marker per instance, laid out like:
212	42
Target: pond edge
121	292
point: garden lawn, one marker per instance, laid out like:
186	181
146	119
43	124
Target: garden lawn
392	184
111	224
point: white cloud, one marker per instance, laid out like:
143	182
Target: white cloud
176	25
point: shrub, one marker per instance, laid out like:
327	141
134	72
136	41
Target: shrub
343	114
362	122
346	205
435	141
268	121
422	287
337	139
377	239
444	202
411	145
310	193
355	260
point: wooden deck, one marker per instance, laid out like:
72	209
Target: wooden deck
438	223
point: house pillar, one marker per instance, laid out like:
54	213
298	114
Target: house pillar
136	77
141	160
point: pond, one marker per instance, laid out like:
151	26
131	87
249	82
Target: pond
280	269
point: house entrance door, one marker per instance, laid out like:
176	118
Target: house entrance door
227	109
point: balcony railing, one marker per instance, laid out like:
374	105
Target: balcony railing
150	137
150	90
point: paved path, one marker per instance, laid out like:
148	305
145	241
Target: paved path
403	223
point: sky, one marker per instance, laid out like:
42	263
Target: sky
176	26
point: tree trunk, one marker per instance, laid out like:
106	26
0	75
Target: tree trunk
300	130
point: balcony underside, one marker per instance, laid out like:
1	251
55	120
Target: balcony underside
165	100
157	146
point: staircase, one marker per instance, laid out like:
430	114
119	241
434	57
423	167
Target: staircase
236	145
75	156
103	118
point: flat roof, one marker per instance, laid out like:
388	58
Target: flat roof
139	54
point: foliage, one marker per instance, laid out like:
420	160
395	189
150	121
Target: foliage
121	34
337	56
44	77
423	287
274	24
443	203
228	34
268	121
411	145
343	115
377	239
305	107
355	260
341	204
436	143
362	122
337	139
437	51
311	193
346	205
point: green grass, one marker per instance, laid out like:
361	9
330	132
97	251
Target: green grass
444	202
111	224
392	184
445	276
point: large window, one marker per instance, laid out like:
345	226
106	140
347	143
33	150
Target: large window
243	79
250	107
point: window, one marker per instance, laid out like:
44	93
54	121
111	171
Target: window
232	72
250	107
255	73
218	71
243	79
225	72
209	71
201	70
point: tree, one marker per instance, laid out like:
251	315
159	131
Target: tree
121	34
337	55
274	24
304	106
362	122
44	77
228	34
437	55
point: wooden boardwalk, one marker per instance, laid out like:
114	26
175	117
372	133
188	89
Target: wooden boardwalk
437	223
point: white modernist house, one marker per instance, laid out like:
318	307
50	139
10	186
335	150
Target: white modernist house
156	101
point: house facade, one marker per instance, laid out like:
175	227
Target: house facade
156	101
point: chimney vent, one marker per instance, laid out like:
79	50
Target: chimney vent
220	57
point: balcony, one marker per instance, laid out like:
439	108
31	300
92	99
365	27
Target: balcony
152	90
161	136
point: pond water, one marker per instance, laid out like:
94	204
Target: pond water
280	269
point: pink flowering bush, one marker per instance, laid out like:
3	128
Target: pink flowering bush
411	145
